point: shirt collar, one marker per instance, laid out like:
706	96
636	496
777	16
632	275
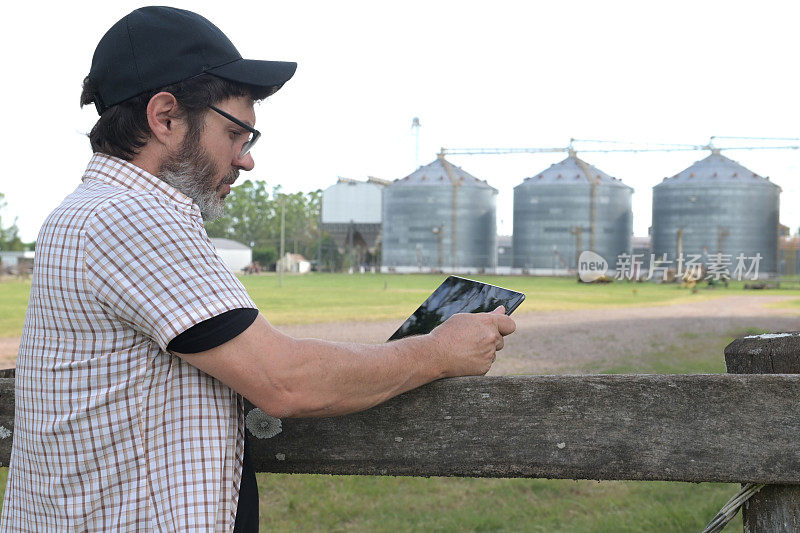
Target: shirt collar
121	173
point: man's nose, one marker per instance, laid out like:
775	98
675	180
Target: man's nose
244	162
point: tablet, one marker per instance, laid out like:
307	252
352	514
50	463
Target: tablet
457	295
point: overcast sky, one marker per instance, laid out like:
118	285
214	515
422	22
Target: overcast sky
477	74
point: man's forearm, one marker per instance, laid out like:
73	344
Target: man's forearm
324	378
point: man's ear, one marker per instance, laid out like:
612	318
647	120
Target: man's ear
162	117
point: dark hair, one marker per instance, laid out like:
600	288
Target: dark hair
122	129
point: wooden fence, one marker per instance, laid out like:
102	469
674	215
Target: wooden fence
737	427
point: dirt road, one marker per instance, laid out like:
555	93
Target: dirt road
562	341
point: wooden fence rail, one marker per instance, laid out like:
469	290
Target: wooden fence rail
635	427
736	427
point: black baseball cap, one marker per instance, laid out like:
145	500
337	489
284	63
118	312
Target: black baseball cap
157	46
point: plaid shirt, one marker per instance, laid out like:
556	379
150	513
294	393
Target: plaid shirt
111	431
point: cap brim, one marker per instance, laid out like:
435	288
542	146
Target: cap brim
268	74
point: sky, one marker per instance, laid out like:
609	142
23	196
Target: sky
477	74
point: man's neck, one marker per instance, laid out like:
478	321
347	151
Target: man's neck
149	158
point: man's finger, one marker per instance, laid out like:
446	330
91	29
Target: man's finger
505	324
501	310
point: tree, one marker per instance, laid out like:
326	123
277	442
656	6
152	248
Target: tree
330	259
302	221
249	213
9	237
253	217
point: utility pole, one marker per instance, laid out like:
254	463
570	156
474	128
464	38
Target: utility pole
283	236
350	238
319	238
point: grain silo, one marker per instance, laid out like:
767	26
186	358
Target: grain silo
717	206
439	217
568	208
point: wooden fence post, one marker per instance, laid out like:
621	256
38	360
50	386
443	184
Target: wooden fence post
776	508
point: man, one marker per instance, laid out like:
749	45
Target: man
139	342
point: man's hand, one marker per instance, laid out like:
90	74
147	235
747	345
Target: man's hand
467	342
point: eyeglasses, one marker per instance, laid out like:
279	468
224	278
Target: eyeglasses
248	145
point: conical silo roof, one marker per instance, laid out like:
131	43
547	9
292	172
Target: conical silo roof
716	169
442	172
573	170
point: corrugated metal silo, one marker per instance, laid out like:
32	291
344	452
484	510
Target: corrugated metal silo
439	217
717	206
568	208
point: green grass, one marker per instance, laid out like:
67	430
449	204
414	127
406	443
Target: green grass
382	503
340	297
786	304
684	353
354	503
13	302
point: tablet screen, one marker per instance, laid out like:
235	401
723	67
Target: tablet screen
457	295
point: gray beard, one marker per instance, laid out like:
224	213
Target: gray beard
193	173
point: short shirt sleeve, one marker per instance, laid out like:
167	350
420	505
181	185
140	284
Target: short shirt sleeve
152	266
213	332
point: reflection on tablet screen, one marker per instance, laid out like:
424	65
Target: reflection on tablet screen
457	295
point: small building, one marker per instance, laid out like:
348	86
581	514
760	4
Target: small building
235	254
16	262
294	263
505	251
789	256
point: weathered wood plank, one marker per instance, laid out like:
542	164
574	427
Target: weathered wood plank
639	427
770	353
776	508
6	418
648	427
773	509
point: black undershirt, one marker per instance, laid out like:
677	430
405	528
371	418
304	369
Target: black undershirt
204	336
